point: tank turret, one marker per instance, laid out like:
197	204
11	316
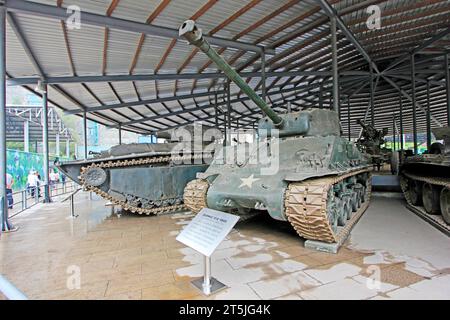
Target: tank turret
316	180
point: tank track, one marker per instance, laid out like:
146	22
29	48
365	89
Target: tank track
195	195
136	162
309	218
444	182
195	199
307	203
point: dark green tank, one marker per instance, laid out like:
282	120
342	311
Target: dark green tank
146	178
425	178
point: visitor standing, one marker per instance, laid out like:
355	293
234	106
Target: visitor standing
32	182
9	192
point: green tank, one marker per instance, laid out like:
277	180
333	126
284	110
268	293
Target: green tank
299	170
147	178
425	178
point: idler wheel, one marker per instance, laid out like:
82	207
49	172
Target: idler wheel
354	202
445	204
430	198
363	194
415	192
94	176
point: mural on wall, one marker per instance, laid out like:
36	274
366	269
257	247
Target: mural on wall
19	164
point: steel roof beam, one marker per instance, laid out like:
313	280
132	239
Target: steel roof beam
185	76
331	12
49	11
424	45
209	106
407	96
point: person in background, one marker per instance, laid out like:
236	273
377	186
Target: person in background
54	178
33	182
39	182
9	192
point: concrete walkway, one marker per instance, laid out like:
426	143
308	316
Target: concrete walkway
391	254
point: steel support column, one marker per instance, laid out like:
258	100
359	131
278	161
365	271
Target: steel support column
334	65
58	147
393	130
372	99
6	226
228	113
263	75
401	122
26	136
120	134
447	82
85	137
413	96
67	148
321	95
428	118
47	198
216	112
348	119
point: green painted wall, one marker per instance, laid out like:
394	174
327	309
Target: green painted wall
20	163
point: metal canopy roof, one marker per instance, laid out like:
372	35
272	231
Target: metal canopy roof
16	116
125	65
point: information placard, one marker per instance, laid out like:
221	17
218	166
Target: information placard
207	230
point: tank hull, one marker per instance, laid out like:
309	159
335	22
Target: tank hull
425	182
302	174
142	178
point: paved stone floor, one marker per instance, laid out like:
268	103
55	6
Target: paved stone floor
391	254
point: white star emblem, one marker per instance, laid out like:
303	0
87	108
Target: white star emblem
248	181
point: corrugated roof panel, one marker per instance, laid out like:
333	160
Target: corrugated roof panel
103	92
92	6
125	90
121	48
46	39
87	49
17	62
136	10
151	53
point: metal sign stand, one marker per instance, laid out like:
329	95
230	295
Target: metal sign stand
208	285
204	234
72	204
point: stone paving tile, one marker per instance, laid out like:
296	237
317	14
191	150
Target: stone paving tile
335	273
289	297
143	281
344	289
237	292
284	285
380	287
434	288
180	290
139	258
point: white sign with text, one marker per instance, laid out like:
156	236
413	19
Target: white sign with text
207	230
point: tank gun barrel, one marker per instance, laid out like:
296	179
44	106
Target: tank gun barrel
193	34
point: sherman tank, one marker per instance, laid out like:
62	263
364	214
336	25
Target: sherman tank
425	178
299	170
147	178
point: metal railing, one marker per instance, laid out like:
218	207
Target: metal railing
10	291
28	198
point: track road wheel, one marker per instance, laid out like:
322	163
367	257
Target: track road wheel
430	198
345	211
415	192
445	204
332	210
